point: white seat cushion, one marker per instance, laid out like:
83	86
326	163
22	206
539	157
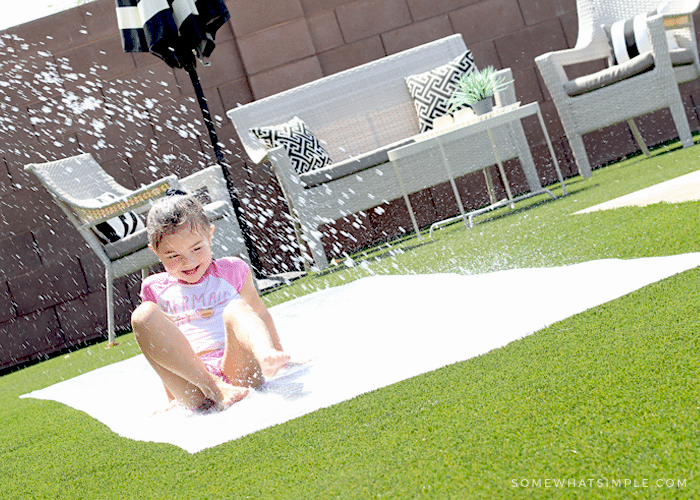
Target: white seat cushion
351	165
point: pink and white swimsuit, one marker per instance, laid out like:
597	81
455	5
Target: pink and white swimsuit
198	308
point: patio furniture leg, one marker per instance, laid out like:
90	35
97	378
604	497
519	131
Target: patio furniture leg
413	216
489	185
638	136
681	121
450	176
408	202
551	151
506	184
306	259
527	164
109	279
580	155
312	238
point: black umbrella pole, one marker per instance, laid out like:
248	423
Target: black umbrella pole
252	251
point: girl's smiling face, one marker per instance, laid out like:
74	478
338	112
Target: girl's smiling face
186	254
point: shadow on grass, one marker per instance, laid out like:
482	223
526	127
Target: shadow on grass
501	213
384	250
400	244
655	151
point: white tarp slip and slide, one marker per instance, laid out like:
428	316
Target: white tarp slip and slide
362	336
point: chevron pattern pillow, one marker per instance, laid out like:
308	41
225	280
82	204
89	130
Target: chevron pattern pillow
304	148
431	90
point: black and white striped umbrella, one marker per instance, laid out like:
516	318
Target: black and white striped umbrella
180	32
174	30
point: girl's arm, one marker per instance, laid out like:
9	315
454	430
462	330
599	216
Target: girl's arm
250	296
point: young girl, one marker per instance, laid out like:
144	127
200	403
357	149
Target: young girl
202	325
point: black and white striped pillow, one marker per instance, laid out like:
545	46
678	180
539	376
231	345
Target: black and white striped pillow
119	227
629	38
431	90
304	148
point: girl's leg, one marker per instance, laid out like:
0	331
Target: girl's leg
250	354
170	354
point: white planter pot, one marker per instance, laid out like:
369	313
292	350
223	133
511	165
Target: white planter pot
464	115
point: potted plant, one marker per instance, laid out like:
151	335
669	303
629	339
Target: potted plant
476	90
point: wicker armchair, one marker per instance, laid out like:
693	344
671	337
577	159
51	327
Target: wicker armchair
617	97
77	182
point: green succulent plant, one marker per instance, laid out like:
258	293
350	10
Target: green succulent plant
475	86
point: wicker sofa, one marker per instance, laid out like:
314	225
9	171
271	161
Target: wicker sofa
358	115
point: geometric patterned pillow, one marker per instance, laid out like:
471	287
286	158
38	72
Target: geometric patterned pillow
431	90
303	147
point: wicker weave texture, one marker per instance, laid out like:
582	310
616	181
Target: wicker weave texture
354	112
77	181
370	103
630	98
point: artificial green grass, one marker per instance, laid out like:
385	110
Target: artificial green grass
541	232
607	395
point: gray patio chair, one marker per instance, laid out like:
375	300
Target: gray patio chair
78	183
645	83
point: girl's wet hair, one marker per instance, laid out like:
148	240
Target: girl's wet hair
173	212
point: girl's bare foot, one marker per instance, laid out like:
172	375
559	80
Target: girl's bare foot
205	406
272	362
230	394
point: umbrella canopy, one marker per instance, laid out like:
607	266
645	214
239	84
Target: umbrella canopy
179	31
174	30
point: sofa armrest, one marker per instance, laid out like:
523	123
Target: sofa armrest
258	156
284	170
254	147
551	66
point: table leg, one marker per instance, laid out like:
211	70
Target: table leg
413	216
551	151
446	163
489	185
407	201
500	167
